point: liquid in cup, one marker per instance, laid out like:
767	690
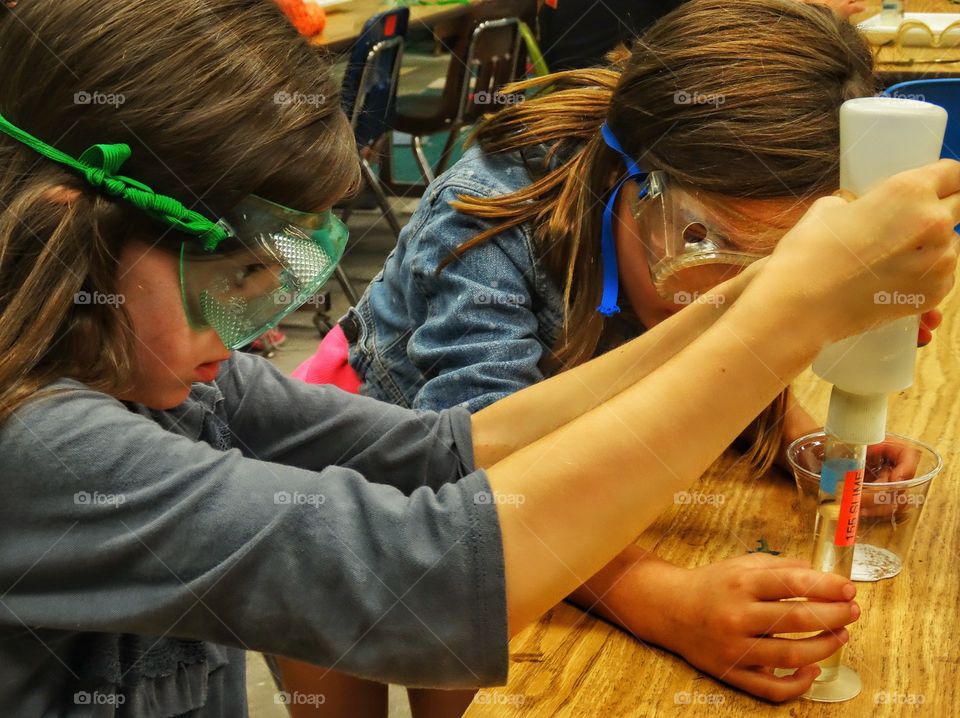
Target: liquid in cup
890	510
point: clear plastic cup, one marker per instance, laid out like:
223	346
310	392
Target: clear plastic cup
889	510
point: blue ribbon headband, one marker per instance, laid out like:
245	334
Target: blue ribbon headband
608	250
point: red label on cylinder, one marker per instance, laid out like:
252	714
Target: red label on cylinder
846	532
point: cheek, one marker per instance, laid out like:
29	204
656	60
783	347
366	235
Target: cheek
167	349
151	287
635	276
635	280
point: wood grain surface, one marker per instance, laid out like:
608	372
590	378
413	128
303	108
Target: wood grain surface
904	646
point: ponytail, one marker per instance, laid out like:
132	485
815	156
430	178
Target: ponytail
564	203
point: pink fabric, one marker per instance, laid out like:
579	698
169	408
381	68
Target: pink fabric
329	364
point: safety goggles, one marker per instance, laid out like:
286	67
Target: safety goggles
687	246
240	275
272	261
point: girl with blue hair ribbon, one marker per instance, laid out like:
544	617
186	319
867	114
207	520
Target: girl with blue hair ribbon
598	209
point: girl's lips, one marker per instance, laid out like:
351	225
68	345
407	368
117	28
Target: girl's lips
207	372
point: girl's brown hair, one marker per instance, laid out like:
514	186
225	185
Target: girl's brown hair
218	99
735	97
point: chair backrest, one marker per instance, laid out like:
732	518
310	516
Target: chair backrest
489	53
944	92
369	89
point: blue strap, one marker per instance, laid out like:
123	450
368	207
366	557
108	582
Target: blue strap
614	144
608	249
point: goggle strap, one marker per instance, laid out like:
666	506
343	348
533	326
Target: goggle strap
608	255
99	166
614	144
608	249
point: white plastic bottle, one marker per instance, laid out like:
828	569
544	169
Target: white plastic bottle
879	137
892	11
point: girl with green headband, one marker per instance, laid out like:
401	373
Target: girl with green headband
168	505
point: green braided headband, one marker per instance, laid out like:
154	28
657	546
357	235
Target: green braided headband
99	165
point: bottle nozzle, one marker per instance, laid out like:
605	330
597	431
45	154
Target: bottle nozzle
857	418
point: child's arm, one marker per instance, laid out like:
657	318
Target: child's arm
610	472
568	395
311	426
718	617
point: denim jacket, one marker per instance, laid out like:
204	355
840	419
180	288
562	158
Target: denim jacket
474	332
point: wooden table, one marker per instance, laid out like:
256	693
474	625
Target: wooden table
905	643
887	56
344	23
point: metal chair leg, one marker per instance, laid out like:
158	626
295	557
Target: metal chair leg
346	285
418	154
374	184
321	317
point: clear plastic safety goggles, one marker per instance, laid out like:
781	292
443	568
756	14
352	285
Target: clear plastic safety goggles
687	248
272	261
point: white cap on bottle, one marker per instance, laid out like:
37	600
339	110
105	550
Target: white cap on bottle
857	418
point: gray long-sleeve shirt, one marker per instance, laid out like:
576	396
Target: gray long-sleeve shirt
140	553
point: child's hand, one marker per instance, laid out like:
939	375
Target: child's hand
898	237
892	460
726	614
928	322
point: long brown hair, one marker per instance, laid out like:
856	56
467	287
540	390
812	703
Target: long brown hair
217	99
734	97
